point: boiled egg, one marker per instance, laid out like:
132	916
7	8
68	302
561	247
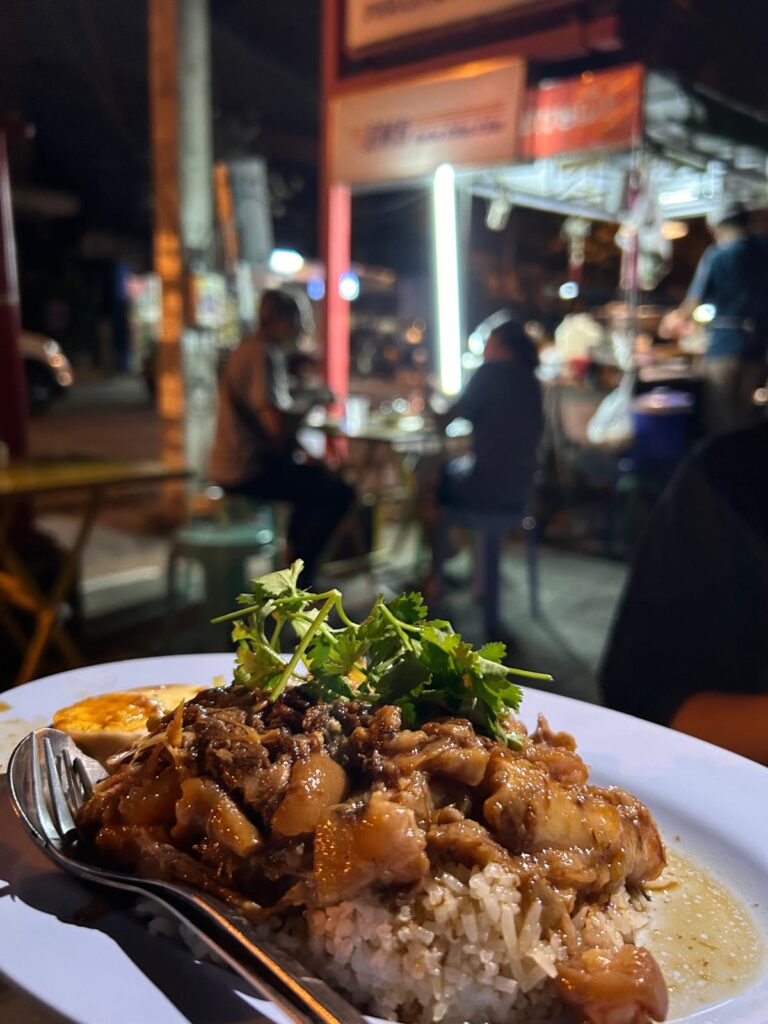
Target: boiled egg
110	722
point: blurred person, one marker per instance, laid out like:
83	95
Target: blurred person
503	403
305	381
255	450
689	644
732	276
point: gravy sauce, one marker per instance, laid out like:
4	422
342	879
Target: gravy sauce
704	939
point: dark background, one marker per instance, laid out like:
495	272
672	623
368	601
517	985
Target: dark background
76	70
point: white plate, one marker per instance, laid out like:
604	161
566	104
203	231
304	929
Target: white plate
90	962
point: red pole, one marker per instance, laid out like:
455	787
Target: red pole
335	221
337	256
13	398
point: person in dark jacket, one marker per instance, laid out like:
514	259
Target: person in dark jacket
689	644
503	403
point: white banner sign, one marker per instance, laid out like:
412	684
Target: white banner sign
468	116
249	181
377	21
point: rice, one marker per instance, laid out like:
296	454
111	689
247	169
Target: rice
458	947
462	948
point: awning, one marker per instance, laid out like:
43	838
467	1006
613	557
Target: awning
583	137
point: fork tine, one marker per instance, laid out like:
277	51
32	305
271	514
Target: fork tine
82	774
61	812
38	788
74	790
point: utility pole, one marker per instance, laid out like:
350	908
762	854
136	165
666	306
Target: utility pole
197	229
13	399
180	109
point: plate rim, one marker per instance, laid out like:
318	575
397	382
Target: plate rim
682	739
748	773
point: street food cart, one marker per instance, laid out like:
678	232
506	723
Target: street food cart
539	104
410	101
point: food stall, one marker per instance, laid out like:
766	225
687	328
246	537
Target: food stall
541	106
624	144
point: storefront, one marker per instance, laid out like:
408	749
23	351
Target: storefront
624	144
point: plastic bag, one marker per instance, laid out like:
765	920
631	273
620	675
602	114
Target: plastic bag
577	335
612	424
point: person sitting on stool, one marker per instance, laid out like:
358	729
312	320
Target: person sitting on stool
255	450
503	403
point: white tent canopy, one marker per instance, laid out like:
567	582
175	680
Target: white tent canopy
696	150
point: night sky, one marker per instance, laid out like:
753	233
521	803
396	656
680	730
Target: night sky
77	71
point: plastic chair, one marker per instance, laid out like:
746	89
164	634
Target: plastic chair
222	549
489	529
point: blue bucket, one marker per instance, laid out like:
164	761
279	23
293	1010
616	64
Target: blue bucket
663	421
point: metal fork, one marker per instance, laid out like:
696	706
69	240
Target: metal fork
49	778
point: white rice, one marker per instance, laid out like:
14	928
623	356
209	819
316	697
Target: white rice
460	949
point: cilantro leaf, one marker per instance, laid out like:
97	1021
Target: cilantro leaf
491	669
404	678
258	664
493	652
336	686
409	608
421	666
345	651
280	583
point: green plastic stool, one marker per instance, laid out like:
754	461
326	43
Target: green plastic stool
222	549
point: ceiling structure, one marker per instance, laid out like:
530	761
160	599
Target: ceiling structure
698	150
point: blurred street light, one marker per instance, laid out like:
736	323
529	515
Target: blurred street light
447	279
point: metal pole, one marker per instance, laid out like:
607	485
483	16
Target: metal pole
195	132
13	398
196	224
183	227
164	117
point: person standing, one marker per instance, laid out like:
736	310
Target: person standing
732	277
255	450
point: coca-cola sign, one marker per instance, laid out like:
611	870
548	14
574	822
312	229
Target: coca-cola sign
595	110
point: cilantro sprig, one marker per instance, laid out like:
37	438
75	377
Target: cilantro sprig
396	655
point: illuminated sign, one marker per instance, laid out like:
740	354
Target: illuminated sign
371	22
468	117
595	110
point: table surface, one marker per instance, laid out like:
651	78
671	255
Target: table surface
394	434
386	432
30	477
391	435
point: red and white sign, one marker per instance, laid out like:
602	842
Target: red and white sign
596	110
372	22
468	116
